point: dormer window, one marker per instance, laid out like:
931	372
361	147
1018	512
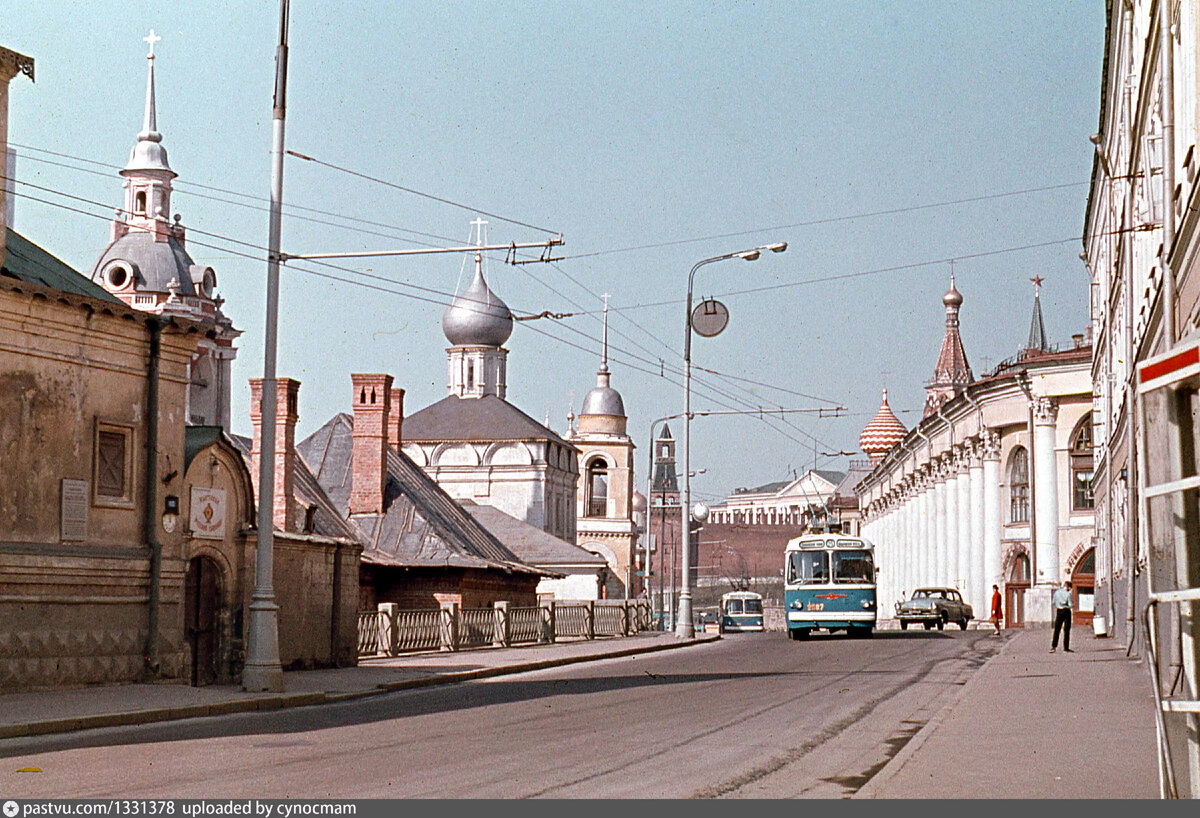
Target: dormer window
117	276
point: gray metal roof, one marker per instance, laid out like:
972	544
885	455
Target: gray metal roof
477	316
421	525
603	399
530	543
154	263
475	419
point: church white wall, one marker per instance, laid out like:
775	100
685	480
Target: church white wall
573	586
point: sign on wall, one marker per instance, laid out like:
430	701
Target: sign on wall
74	517
208	513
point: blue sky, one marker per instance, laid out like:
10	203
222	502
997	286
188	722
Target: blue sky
651	135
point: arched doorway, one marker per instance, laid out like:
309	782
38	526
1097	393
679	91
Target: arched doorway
1014	592
1083	588
202	605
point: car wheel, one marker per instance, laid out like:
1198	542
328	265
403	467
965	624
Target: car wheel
941	623
928	626
903	626
964	624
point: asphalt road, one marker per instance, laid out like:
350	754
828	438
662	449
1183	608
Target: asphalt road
754	715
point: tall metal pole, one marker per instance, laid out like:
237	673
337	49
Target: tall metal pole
684	628
263	670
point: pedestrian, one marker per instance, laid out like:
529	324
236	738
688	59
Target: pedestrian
1061	602
997	612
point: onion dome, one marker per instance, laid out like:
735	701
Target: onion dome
638	504
883	432
603	399
477	316
952	298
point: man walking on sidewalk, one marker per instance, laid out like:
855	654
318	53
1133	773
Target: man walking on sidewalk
1061	602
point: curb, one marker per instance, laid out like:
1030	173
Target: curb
894	765
288	700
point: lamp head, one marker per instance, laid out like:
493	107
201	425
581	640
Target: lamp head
777	247
749	255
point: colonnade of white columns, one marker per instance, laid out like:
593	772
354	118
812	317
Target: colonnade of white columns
939	525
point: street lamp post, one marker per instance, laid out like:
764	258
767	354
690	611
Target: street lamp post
684	628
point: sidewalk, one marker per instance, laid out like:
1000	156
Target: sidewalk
1030	724
59	711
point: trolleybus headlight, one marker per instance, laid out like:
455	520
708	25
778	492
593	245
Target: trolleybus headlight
868	604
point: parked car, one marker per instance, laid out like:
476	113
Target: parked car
935	607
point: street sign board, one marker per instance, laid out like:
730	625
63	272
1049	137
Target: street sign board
710	317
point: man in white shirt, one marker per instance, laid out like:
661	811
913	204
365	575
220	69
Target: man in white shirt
1061	603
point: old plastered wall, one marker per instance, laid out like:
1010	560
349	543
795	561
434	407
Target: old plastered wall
74	598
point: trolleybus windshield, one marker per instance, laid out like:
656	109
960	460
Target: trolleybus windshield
853	566
740	606
808	568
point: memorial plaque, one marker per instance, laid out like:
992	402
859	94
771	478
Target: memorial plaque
74	518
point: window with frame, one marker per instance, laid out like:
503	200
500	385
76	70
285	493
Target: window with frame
597	485
113	465
1018	486
1082	471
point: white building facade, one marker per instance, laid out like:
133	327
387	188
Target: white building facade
983	492
1142	249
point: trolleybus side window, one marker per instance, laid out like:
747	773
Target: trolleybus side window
808	568
853	566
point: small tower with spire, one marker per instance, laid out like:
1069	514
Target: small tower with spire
1037	327
952	373
604	495
146	265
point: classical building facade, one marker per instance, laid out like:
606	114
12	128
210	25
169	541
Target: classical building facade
1142	249
992	487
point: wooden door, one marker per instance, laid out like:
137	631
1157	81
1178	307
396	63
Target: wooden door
202	601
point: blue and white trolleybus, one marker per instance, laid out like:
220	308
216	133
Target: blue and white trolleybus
741	611
829	582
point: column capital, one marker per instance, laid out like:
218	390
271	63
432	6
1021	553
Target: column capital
1045	411
989	444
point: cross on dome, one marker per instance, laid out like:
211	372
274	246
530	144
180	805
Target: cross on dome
151	39
479	224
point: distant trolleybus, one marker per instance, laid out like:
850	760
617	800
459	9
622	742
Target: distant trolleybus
741	611
829	582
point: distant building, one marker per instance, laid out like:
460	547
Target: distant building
480	448
993	486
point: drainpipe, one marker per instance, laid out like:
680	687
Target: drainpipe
1167	103
153	546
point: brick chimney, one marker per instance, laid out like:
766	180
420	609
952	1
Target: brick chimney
287	509
372	399
396	419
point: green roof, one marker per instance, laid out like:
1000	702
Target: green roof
26	261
